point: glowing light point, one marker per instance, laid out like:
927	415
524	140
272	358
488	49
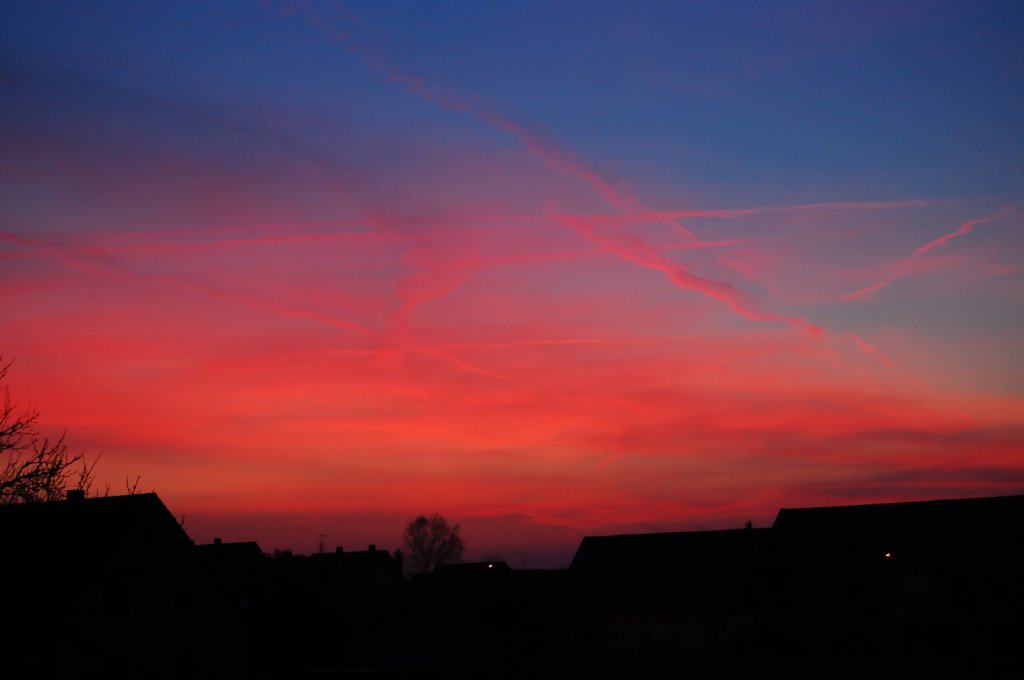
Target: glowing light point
491	564
888	555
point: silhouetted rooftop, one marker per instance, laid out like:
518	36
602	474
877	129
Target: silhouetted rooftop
247	548
229	559
89	522
958	515
634	552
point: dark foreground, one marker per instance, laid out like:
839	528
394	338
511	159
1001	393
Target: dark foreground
113	587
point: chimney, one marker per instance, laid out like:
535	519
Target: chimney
339	549
216	541
76	495
373	547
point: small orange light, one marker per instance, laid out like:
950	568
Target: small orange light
888	554
491	566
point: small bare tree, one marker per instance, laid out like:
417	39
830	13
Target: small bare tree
430	542
34	469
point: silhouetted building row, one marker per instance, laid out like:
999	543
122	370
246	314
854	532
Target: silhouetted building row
114	587
104	587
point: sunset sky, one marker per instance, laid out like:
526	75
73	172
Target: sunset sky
548	268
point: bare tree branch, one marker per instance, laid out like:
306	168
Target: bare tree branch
31	469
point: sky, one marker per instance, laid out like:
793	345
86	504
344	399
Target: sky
551	269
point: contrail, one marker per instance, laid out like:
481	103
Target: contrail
962	230
884	360
728	213
515	344
557	158
701	245
567	163
965	228
71	256
868	290
167	247
634	249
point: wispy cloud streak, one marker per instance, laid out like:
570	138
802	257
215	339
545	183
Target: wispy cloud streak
877	355
902	269
732	213
517	344
109	268
628	247
964	229
634	249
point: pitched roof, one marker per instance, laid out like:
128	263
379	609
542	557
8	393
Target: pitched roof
229	559
356	560
669	550
82	524
965	515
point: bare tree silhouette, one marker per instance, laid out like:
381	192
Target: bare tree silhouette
32	469
431	541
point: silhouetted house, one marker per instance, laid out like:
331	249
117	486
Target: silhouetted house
649	601
330	611
463	584
483	619
108	587
673	574
238	568
973	543
913	589
357	581
478	591
372	567
90	525
944	573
